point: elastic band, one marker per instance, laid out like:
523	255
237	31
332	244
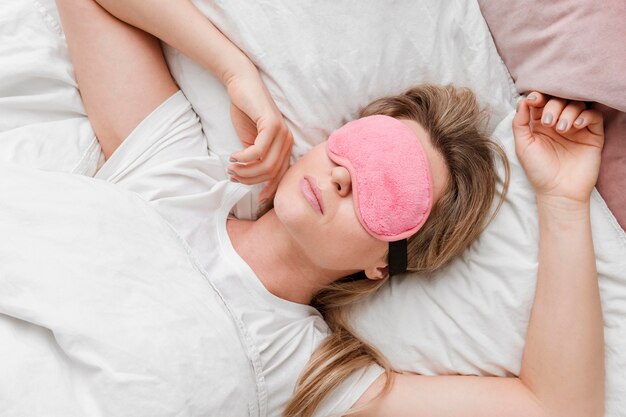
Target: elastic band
397	259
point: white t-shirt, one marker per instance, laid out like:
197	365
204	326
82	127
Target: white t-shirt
166	161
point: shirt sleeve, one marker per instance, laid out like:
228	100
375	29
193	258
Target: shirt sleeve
349	392
165	155
166	158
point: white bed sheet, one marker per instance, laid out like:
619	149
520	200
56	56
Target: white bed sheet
475	311
104	311
42	118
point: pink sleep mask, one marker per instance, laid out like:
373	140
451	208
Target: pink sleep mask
391	179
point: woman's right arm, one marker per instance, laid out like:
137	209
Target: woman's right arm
180	24
563	363
256	117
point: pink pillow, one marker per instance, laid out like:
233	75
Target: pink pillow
612	180
572	49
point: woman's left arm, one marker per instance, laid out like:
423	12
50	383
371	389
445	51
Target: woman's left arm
559	144
256	117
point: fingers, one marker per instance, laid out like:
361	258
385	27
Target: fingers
261	145
536	101
541	119
569	115
562	115
592	120
254	173
272	185
268	168
521	121
528	111
552	111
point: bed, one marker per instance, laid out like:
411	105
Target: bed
72	318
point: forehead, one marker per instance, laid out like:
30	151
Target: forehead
436	162
419	132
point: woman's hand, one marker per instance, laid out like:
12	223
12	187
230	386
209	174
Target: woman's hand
262	130
256	118
559	143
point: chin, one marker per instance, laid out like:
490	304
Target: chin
293	213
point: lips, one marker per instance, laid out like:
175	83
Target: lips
312	193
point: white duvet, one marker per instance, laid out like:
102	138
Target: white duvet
321	62
103	312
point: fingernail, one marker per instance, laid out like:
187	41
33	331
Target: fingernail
579	121
547	119
231	173
234	180
562	125
531	97
232	159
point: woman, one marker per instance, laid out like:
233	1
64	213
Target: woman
128	92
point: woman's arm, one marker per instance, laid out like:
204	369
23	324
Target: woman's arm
564	355
180	24
563	363
120	70
256	118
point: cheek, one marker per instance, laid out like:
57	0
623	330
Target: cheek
346	245
336	242
288	208
295	214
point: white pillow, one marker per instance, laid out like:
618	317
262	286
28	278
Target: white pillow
321	62
42	120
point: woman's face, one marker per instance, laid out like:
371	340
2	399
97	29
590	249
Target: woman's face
314	203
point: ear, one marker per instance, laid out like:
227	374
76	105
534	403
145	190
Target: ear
377	272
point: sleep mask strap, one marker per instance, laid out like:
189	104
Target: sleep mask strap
397	259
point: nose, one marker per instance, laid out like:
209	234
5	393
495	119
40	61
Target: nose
340	178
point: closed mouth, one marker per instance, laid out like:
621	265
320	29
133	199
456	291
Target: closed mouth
312	193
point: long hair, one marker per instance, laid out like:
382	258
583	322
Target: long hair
455	123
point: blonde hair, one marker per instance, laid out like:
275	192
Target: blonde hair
455	124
